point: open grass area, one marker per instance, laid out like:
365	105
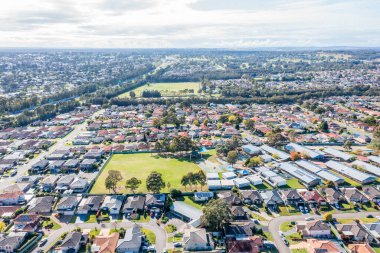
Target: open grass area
286	226
140	166
51	224
263	186
150	236
168	89
376	249
293	238
293	184
211	156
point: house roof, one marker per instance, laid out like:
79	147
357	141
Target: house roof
106	244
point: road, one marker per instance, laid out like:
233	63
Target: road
274	225
59	144
159	231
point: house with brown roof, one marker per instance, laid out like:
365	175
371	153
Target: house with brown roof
372	193
251	197
105	244
26	223
332	195
313	197
361	248
12	198
252	244
354	195
318	246
354	232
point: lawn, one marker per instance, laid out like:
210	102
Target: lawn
168	89
140	166
293	238
299	251
189	200
364	220
150	236
52	224
286	226
376	249
293	184
263	186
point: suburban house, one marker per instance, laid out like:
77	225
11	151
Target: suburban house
354	232
26	223
238	229
134	204
90	204
251	197
373	228
10	243
317	246
314	229
132	240
313	198
154	202
238	213
354	195
12	198
197	239
71	243
230	197
64	182
372	193
40	167
360	248
41	205
332	196
105	243
49	183
292	197
79	185
271	199
67	205
251	244
113	204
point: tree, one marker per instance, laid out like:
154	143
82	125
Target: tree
132	184
255	162
324	127
201	178
249	124
154	182
327	217
275	138
157	123
2	226
132	94
196	123
114	176
185	181
215	214
232	157
330	184
294	156
347	145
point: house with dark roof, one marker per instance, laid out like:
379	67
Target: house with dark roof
354	195
90	204
67	205
230	197
332	196
252	244
238	213
271	198
372	193
26	223
72	242
239	229
10	243
251	197
41	205
292	197
155	201
134	204
354	232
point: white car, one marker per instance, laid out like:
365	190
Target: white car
309	219
377	217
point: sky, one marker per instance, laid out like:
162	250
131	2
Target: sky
189	23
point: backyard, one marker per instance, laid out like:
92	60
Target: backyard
140	166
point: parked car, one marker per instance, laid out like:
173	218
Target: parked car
43	242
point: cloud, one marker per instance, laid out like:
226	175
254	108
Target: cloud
189	23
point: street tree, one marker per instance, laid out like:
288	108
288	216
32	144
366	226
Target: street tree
132	184
154	182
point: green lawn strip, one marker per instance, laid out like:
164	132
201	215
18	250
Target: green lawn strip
94	232
151	237
294	238
376	249
286	226
170	228
263	186
55	225
299	251
364	220
258	217
189	200
293	184
140	166
268	236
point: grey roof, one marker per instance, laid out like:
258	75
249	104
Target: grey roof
375	159
186	210
350	172
273	151
71	240
301	149
319	171
299	173
338	154
368	167
132	238
41	205
250	149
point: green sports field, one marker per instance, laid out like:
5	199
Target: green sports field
140	166
168	89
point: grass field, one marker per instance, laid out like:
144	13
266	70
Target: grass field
167	89
140	166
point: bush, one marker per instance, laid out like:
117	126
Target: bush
175	193
328	217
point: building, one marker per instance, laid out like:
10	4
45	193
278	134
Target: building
352	173
132	240
197	239
304	151
320	172
302	175
339	154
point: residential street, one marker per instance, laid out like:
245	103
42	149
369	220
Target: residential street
274	225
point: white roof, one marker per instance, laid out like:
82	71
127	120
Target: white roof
368	167
279	153
241	181
350	172
212	175
228	174
339	154
375	159
298	148
299	173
